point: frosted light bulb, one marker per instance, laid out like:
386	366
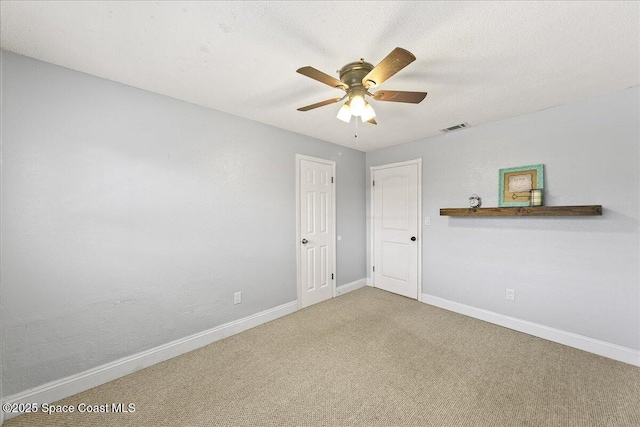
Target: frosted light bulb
357	105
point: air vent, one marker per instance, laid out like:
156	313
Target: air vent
456	127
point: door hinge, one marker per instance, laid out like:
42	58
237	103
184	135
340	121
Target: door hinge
374	182
332	180
374	268
331	276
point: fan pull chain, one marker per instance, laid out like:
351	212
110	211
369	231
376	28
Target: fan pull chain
356	135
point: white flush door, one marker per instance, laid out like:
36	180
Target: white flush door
316	243
396	228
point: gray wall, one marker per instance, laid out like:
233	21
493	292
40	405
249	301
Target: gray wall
129	219
576	274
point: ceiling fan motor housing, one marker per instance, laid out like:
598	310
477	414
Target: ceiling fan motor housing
352	75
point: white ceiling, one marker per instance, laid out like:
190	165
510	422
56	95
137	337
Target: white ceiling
479	61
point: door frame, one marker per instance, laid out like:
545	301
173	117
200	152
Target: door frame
332	163
372	235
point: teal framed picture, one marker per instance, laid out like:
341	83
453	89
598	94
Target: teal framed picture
516	184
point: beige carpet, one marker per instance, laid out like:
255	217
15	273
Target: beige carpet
370	358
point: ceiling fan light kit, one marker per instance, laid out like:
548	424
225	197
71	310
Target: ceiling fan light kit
356	78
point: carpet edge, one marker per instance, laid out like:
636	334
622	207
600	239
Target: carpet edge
581	342
77	383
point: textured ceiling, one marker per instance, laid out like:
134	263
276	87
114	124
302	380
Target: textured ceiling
479	61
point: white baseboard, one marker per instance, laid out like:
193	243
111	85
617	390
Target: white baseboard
65	387
352	286
602	348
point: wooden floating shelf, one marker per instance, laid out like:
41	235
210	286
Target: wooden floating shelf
590	210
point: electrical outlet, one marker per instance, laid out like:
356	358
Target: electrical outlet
511	295
237	298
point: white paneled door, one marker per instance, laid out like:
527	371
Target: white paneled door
316	245
396	228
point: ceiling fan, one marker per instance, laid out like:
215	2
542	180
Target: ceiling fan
356	78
